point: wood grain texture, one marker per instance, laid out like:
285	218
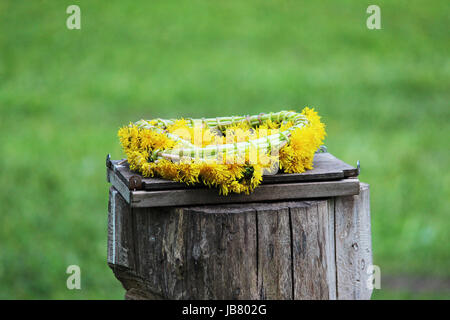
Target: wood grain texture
221	250
331	249
118	183
326	167
313	257
120	241
301	249
329	178
285	191
274	254
353	245
257	251
365	242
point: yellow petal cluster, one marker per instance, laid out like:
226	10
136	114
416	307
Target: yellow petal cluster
145	148
298	155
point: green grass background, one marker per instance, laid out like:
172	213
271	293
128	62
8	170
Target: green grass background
384	95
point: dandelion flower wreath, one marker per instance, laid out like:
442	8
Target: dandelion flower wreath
229	153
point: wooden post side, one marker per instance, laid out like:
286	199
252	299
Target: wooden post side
365	242
121	246
274	254
353	245
313	252
120	241
221	251
285	250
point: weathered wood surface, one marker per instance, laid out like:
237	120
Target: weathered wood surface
268	192
314	256
265	192
283	250
330	177
326	167
353	245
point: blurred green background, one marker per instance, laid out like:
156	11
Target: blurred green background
384	95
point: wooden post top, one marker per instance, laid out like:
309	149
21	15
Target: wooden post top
330	177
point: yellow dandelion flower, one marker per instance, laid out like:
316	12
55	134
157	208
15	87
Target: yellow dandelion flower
246	154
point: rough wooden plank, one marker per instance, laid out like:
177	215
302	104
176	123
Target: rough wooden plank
147	254
278	250
365	241
326	167
158	248
284	191
174	237
302	177
331	247
118	184
346	242
193	253
139	294
353	245
111	252
120	241
313	257
221	251
274	254
151	226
